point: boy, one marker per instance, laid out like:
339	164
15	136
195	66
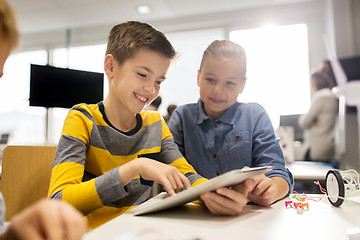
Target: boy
45	219
109	153
218	134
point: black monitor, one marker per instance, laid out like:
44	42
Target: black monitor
292	120
351	67
63	87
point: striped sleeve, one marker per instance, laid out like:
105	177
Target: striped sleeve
68	173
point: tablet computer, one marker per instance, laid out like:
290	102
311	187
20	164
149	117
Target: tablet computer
228	179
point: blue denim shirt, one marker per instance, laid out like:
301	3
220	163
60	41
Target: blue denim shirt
243	136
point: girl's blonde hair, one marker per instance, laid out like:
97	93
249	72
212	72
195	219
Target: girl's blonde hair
8	26
225	49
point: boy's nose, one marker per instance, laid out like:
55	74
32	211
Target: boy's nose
149	88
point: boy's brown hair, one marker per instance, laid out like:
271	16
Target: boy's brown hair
126	39
225	49
8	26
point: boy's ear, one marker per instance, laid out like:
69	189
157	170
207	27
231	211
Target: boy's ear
242	86
109	65
198	78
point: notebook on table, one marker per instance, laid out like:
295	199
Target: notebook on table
231	178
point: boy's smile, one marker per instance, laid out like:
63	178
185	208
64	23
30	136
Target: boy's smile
220	81
141	98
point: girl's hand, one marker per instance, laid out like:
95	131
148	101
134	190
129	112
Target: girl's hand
228	201
264	192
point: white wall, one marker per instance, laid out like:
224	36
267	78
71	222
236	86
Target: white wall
337	18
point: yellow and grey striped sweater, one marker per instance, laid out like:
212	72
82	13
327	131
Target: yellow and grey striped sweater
85	170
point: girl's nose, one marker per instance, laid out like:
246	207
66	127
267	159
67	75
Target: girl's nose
218	88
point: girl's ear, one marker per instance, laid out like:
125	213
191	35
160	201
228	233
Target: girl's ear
109	65
242	86
198	78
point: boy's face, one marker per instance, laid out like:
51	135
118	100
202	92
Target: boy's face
5	49
136	82
221	81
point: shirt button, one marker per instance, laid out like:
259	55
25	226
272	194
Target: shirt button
237	138
217	173
215	125
216	137
214	155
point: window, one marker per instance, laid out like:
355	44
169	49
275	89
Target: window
87	58
181	86
27	125
23	124
278	68
15	84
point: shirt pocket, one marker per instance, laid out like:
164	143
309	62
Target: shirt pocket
237	150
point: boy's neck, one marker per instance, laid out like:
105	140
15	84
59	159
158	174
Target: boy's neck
119	117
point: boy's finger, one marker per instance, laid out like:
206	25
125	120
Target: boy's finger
168	187
179	183
185	181
172	180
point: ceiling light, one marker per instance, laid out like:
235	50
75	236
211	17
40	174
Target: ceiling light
143	9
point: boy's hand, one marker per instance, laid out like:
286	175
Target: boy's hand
47	219
264	192
169	176
228	201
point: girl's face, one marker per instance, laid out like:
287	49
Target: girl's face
136	82
221	80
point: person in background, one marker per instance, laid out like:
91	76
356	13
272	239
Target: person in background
154	105
319	121
46	219
170	109
218	134
110	153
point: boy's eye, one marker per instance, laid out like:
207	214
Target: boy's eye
158	82
210	80
142	75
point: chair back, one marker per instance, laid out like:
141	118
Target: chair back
25	176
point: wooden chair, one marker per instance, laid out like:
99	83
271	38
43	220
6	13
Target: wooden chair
25	176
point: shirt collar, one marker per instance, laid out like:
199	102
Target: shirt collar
202	115
229	116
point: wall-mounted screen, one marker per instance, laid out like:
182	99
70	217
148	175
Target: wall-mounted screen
63	87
